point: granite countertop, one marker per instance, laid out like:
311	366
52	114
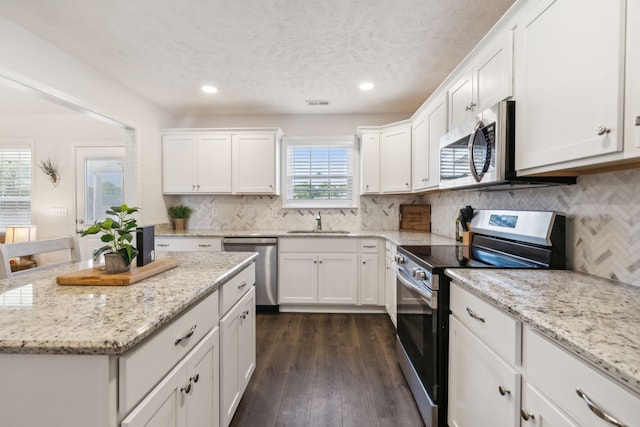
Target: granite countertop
395	236
594	318
39	316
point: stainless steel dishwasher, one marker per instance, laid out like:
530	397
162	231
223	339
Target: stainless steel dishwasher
266	267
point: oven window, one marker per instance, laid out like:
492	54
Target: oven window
417	331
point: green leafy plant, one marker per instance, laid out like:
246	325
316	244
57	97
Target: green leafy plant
118	230
179	211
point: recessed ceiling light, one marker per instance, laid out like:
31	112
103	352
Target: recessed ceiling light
366	86
209	89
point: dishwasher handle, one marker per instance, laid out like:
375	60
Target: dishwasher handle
250	240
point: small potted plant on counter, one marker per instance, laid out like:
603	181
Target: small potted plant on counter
179	216
118	231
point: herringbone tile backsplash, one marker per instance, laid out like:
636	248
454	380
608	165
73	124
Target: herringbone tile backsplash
603	217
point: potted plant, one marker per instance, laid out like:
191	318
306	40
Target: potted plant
179	215
118	231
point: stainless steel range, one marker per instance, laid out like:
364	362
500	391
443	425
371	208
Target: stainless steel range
501	239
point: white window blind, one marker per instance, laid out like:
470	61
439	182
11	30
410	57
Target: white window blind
15	184
319	173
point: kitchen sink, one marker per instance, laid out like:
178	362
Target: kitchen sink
318	232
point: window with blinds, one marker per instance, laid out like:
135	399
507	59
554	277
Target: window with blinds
15	184
319	173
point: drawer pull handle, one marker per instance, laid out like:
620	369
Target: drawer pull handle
596	410
244	314
163	244
503	390
185	336
369	246
474	315
202	245
526	415
195	378
242	285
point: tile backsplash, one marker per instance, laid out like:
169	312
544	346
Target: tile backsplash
266	213
603	217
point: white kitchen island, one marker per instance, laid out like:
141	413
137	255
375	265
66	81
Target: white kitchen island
104	355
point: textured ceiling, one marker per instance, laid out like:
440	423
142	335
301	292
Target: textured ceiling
267	56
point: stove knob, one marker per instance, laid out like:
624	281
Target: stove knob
400	259
419	273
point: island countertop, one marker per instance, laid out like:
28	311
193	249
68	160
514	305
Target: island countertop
594	318
39	316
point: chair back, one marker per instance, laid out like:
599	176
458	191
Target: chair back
36	247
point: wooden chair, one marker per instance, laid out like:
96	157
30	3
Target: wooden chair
37	247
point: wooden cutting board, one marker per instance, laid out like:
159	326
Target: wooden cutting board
98	277
415	217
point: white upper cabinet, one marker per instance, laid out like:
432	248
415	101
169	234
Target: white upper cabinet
221	161
632	84
569	83
428	127
370	163
196	164
255	164
395	160
488	81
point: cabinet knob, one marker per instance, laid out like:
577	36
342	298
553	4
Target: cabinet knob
526	415
469	107
602	130
636	121
364	262
186	388
195	378
503	391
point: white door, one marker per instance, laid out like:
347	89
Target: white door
99	185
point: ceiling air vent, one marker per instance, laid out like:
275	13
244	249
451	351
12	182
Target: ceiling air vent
317	102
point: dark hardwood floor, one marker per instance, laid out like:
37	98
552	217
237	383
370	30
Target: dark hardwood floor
326	370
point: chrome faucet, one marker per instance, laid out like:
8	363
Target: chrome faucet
318	222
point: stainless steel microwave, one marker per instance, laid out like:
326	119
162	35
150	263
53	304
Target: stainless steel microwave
481	153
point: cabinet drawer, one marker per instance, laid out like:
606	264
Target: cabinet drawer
558	374
144	366
188	244
499	330
318	244
238	285
369	246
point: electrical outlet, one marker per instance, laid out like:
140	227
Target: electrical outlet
59	212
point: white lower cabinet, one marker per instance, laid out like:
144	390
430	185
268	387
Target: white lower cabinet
538	411
188	244
188	395
368	283
491	354
390	295
569	384
318	271
484	390
238	354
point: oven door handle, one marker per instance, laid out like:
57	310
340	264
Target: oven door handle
426	296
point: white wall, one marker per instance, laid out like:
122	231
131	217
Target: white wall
53	137
31	59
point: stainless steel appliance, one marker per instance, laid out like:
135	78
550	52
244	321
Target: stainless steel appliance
501	239
266	267
481	152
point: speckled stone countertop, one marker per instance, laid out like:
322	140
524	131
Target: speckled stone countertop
395	236
39	316
594	318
